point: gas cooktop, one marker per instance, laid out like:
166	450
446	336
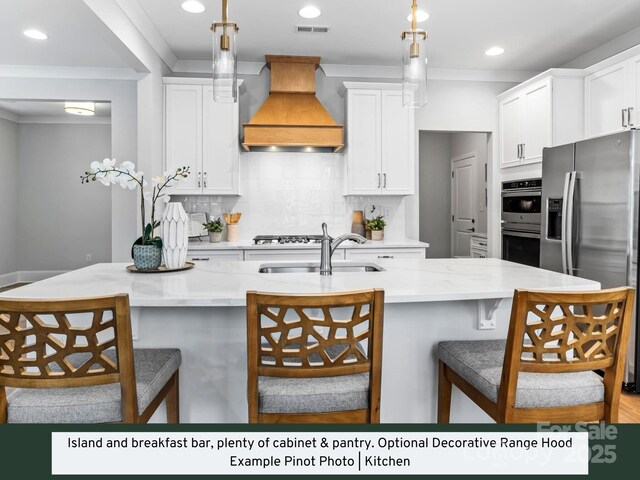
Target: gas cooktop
286	239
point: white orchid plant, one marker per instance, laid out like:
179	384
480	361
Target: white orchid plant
125	175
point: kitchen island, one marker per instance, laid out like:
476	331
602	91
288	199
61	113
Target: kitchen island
201	311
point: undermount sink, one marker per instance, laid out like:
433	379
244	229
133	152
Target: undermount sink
312	267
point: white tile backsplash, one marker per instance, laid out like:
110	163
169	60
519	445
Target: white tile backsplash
293	193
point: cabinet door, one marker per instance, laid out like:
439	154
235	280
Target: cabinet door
183	134
536	125
634	116
398	147
373	254
606	98
220	151
510	134
364	175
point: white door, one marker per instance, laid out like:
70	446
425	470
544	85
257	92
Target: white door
398	146
510	134
536	126
464	206
183	134
220	155
606	94
363	121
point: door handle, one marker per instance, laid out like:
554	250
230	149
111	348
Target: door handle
473	229
384	185
519	151
386	256
629	116
624	111
205	179
199	179
379	181
522	150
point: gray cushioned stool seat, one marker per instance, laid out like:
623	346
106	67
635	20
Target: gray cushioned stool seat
97	404
313	395
480	364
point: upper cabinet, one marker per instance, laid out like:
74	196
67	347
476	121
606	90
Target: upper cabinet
544	111
612	98
380	151
203	135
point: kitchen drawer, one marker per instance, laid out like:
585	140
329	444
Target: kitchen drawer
372	254
312	255
219	255
478	253
479	243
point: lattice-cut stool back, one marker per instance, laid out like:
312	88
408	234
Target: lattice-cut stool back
335	337
544	371
66	344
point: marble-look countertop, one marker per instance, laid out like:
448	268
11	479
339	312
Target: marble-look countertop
195	245
225	283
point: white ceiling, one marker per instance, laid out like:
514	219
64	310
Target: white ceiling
25	108
537	34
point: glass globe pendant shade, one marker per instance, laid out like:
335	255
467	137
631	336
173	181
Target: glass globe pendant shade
414	70
225	65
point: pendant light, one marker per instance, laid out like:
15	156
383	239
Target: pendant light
225	65
414	64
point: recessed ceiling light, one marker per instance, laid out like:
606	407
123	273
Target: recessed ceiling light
421	16
35	34
193	6
309	12
493	51
80	108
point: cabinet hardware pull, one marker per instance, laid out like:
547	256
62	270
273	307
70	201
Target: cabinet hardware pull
205	179
483	244
624	110
384	175
199	181
473	229
379	181
200	259
522	150
519	150
386	256
629	116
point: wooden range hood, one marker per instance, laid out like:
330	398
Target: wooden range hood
292	118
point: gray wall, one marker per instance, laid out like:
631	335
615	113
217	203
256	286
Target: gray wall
463	143
61	220
435	193
8	197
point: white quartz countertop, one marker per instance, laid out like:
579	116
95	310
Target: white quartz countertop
195	245
225	283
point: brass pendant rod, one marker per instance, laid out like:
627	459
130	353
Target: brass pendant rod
415	48
224	39
414	7
225	11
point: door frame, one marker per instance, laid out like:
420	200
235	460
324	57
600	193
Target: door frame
474	194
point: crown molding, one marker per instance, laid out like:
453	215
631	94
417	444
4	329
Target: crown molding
204	66
80	73
7	115
69	120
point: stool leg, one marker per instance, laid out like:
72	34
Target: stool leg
444	394
173	400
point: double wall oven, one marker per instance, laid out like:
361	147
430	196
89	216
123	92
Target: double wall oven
521	216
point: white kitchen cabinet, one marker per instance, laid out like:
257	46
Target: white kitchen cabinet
215	255
544	111
612	98
380	151
203	135
478	247
299	254
374	254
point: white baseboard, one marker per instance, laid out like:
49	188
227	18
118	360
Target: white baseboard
28	276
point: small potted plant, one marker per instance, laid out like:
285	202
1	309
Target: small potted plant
376	225
214	227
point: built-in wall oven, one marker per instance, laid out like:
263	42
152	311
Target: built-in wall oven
521	215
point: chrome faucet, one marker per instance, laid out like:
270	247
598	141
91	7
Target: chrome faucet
329	245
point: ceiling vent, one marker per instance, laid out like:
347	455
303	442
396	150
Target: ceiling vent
312	29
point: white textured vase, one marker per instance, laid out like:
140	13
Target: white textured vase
175	235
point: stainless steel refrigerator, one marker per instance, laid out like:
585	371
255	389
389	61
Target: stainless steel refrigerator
590	217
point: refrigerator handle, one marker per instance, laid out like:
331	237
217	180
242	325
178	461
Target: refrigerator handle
569	221
563	227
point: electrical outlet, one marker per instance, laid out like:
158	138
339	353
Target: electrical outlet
89	260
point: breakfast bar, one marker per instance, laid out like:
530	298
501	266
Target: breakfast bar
201	311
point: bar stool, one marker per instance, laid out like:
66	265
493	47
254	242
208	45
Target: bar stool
544	371
314	358
72	361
